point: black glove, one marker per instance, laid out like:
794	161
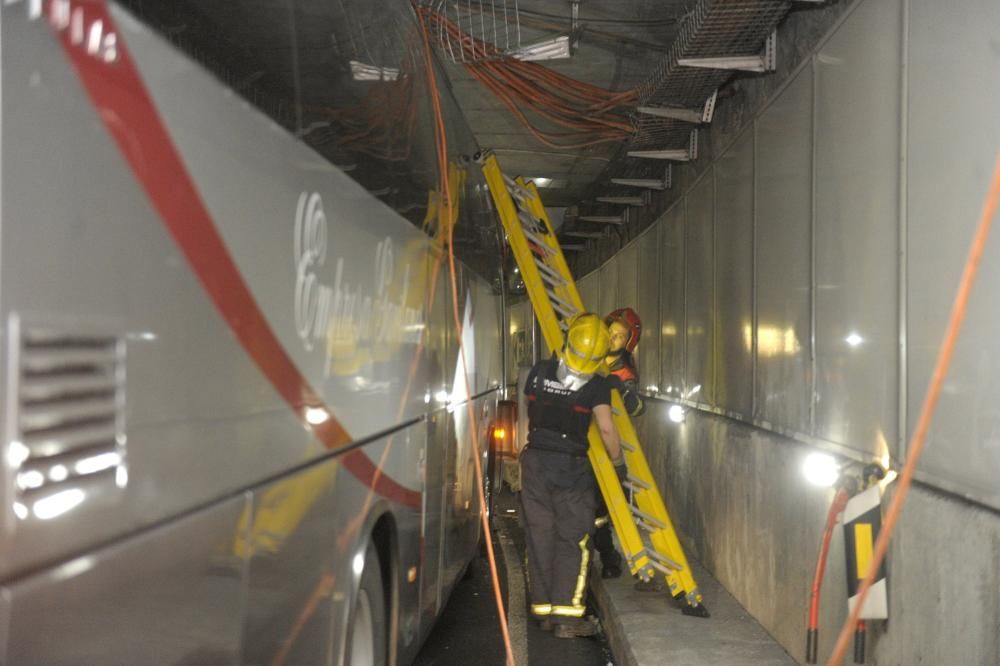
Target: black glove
621	470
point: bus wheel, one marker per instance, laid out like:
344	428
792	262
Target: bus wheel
367	633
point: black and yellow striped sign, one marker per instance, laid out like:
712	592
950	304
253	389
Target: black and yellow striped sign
862	522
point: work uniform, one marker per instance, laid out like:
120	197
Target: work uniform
558	489
623	368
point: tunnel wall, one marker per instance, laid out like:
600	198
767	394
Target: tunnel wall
795	285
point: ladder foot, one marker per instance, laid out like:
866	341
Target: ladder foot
696	611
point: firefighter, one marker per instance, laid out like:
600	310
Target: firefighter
557	482
624	329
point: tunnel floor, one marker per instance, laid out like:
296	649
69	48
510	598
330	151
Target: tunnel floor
468	631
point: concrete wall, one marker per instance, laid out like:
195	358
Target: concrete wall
745	511
802	272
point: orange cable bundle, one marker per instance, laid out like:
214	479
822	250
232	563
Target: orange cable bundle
590	113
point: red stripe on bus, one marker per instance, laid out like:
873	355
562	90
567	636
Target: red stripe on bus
131	118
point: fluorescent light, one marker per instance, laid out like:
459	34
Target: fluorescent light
821	469
549	49
541	182
364	72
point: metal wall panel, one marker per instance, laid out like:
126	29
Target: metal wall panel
857	174
783	201
590	289
699	294
943	206
672	300
628	274
647	354
609	286
734	276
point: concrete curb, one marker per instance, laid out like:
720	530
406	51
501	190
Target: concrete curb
649	629
614	629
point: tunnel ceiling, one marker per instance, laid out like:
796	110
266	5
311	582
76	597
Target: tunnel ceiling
617	45
297	63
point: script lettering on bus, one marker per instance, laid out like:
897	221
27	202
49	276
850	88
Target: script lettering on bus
369	312
85	32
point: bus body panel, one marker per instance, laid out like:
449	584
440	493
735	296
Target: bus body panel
233	534
163	597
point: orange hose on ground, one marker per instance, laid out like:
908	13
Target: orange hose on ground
442	145
927	411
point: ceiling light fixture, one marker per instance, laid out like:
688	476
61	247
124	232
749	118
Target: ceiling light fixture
549	49
364	72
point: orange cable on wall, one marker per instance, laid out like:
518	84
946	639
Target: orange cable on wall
916	446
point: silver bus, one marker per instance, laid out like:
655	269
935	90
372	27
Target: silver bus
234	411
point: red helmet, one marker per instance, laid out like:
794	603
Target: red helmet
630	319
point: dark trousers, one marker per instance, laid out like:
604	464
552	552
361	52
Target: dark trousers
602	536
557	504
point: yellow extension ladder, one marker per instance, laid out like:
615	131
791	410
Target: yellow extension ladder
644	529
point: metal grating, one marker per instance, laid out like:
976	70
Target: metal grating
715	28
494	22
66	429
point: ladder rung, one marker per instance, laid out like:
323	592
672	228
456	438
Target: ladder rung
648	518
646	526
530	221
665	561
561	310
539	242
560	301
542	250
551	272
554	282
664	569
639	482
628	447
515	190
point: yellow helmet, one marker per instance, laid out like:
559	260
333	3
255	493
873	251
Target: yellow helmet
587	343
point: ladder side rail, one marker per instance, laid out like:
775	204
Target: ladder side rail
650	501
558	262
548	320
617	503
